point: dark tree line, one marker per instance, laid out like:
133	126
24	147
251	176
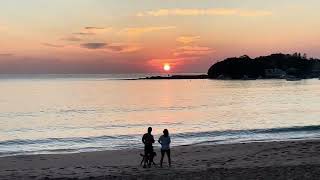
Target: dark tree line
292	64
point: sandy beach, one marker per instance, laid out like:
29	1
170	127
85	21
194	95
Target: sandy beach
259	160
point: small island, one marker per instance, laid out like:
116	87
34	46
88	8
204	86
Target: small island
275	66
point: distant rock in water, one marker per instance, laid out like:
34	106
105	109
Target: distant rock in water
266	67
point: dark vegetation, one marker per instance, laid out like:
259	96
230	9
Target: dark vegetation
266	67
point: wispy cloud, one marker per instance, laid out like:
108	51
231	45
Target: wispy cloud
72	38
192	51
113	47
91	30
194	48
94	28
187	39
94	45
142	30
84	33
52	45
205	12
123	48
189	49
172	61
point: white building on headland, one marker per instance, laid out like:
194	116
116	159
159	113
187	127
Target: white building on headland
274	73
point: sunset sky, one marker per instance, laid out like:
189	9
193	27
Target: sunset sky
134	36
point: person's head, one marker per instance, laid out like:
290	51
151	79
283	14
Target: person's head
149	130
166	132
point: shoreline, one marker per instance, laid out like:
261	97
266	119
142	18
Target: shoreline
205	76
255	160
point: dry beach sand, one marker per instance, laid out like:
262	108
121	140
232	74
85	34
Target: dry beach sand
259	160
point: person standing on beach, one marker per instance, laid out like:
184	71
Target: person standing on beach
148	140
165	141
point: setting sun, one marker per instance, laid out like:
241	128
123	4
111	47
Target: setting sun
166	67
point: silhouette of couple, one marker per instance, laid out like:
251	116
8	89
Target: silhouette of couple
148	141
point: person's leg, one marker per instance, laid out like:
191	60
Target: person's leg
142	161
169	157
145	158
162	155
150	155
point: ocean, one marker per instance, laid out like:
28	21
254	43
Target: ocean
45	114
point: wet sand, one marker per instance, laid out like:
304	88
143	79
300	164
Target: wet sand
259	160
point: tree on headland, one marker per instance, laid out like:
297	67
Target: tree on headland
261	67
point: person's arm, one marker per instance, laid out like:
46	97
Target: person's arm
144	139
169	140
159	140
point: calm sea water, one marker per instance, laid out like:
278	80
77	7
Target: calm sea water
77	113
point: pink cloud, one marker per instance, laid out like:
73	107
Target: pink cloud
53	45
188	39
192	51
205	12
135	31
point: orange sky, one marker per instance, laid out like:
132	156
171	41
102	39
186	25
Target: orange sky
123	36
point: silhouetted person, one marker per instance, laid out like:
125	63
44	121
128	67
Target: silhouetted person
165	141
148	140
